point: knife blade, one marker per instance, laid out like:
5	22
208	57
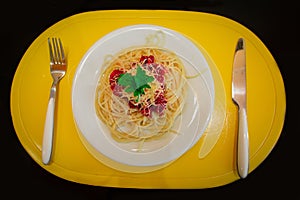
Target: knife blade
239	97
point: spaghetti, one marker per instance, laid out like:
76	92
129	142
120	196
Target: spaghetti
140	93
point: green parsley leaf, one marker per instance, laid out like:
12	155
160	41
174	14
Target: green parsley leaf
127	80
137	83
141	78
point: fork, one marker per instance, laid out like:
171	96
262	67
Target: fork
58	66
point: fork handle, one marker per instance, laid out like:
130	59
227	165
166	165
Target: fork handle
49	127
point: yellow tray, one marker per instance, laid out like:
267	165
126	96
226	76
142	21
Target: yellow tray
215	164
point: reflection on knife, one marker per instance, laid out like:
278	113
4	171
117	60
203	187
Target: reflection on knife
239	98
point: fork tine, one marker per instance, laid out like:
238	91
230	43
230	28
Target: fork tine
50	51
57	55
56	51
62	51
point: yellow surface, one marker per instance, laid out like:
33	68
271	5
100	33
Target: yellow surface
216	166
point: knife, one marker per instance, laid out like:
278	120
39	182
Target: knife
239	96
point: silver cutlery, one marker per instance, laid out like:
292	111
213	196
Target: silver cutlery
58	68
239	97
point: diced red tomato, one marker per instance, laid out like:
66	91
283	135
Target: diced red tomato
147	59
145	111
114	76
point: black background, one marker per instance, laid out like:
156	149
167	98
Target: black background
275	22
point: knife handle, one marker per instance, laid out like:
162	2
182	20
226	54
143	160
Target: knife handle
243	144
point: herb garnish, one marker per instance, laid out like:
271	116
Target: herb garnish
137	83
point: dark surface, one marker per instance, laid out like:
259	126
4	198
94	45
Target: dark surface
274	22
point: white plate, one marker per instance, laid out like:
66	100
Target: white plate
191	124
